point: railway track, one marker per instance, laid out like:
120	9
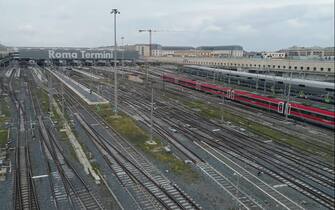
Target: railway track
68	188
313	192
281	170
290	164
151	189
25	196
266	117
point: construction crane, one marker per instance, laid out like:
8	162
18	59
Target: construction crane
150	37
150	31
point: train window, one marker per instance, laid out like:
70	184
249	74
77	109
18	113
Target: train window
329	69
314	68
302	68
307	67
312	114
273	66
284	67
259	100
290	67
259	66
295	67
321	69
278	67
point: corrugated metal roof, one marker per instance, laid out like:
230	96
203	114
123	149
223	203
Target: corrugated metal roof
286	80
228	47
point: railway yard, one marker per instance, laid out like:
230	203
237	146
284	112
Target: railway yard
179	140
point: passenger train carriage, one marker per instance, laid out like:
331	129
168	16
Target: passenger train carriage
294	110
312	114
273	104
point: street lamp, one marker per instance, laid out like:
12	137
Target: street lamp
115	12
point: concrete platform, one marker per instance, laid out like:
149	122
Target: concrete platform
82	91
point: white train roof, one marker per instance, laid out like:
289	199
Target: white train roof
287	80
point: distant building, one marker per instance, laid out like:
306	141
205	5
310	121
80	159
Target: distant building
4	51
274	55
174	51
310	52
220	51
241	64
144	49
203	51
329	53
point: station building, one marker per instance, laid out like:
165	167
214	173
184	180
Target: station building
73	56
327	53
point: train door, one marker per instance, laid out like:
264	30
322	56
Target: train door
232	95
288	109
197	86
281	107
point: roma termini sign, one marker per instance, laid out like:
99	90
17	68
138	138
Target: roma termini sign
73	54
81	54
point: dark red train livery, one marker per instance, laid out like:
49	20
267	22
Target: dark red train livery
294	110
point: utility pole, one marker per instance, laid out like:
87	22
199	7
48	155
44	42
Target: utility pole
115	12
122	61
223	102
91	82
257	81
63	104
49	91
288	92
265	84
288	98
151	111
238	190
214	76
147	74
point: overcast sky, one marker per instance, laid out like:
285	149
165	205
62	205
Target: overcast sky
254	24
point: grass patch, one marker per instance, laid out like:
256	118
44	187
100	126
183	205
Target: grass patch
3	120
4	105
3	138
95	167
63	135
5	114
212	112
127	127
43	97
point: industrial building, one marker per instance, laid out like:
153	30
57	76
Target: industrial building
312	66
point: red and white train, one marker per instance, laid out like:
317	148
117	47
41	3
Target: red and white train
294	110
